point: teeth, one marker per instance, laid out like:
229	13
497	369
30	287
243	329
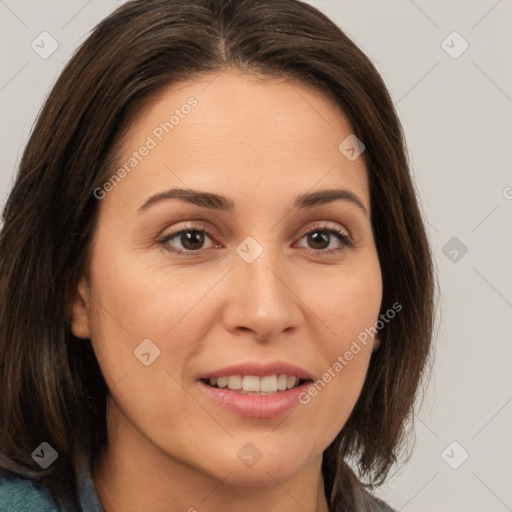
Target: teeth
222	382
269	384
250	384
281	382
235	382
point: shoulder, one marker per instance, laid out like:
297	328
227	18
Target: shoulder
19	494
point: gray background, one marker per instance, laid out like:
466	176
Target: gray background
457	116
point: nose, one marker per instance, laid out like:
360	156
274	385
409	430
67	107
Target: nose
261	298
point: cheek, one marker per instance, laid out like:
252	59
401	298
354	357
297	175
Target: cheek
134	302
348	308
346	301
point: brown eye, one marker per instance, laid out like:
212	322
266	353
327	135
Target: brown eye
318	239
327	240
186	240
192	240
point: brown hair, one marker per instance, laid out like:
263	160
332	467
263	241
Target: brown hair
52	387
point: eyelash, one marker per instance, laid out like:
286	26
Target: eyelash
346	241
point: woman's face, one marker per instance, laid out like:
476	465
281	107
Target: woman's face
257	288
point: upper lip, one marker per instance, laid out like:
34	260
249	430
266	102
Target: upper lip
258	369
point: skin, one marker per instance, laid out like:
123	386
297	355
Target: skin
261	143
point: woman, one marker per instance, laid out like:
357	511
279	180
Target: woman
216	284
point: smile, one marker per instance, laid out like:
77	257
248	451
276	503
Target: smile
253	385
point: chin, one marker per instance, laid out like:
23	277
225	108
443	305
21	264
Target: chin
258	476
251	468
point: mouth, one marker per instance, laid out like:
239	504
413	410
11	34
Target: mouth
255	390
254	385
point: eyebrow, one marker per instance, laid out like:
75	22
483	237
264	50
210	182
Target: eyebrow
222	203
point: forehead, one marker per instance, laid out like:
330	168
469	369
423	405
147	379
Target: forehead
239	132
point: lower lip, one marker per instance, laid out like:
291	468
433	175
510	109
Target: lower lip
255	406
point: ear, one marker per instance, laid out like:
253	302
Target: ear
376	343
80	310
